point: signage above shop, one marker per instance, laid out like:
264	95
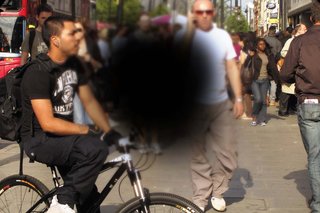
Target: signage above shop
273	15
271	4
273	21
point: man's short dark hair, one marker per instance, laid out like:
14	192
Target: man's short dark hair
315	11
53	27
289	29
44	8
272	28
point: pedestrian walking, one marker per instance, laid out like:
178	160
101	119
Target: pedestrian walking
301	66
248	48
33	43
275	47
211	48
89	53
264	68
288	100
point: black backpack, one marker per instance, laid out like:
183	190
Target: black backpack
11	103
32	35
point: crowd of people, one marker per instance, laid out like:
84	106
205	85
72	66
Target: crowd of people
263	57
288	60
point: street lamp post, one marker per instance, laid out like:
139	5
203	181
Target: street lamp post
109	10
120	12
222	14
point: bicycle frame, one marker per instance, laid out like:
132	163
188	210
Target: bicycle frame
125	163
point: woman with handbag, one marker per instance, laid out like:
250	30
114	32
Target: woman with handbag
264	68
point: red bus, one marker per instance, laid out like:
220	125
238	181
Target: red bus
13	25
14	17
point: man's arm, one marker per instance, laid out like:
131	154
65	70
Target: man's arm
25	49
287	73
278	47
24	57
233	74
43	110
285	48
93	108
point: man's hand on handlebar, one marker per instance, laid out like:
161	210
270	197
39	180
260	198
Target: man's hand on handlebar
111	138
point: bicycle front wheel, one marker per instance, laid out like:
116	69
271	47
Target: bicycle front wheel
18	193
161	202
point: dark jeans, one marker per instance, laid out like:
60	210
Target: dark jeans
79	159
287	103
259	90
278	92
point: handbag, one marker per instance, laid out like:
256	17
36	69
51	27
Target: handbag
246	72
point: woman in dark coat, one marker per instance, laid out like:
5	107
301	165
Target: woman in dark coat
264	68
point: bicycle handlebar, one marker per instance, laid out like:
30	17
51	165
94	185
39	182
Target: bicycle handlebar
124	144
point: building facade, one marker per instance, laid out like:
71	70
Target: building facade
299	12
285	13
266	14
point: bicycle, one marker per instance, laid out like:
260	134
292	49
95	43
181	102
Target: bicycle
22	193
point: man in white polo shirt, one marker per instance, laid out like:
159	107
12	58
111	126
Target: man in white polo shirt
214	155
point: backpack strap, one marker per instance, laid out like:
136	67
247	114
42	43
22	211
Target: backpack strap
40	63
32	35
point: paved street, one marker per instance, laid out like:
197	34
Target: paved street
271	177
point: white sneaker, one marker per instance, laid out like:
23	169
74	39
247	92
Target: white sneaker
263	124
56	207
156	148
54	200
202	208
142	148
218	204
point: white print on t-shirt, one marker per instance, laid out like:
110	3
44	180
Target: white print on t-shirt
42	48
64	109
67	78
64	91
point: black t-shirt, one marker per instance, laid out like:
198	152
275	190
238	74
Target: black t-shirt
47	80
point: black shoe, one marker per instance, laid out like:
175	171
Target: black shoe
283	114
292	112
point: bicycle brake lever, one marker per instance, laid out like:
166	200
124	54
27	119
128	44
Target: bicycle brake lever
125	142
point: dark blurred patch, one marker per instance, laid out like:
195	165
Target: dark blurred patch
156	85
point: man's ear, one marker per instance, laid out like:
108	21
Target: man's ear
55	41
311	19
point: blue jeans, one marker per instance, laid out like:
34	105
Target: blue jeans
259	90
80	115
309	123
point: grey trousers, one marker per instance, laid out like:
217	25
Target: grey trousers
214	152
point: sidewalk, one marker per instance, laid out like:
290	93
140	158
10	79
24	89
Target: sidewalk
272	173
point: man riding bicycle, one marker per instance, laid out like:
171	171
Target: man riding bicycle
48	133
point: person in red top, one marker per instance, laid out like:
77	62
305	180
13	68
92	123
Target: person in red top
237	48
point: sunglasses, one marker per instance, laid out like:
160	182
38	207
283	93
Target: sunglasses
79	30
201	12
